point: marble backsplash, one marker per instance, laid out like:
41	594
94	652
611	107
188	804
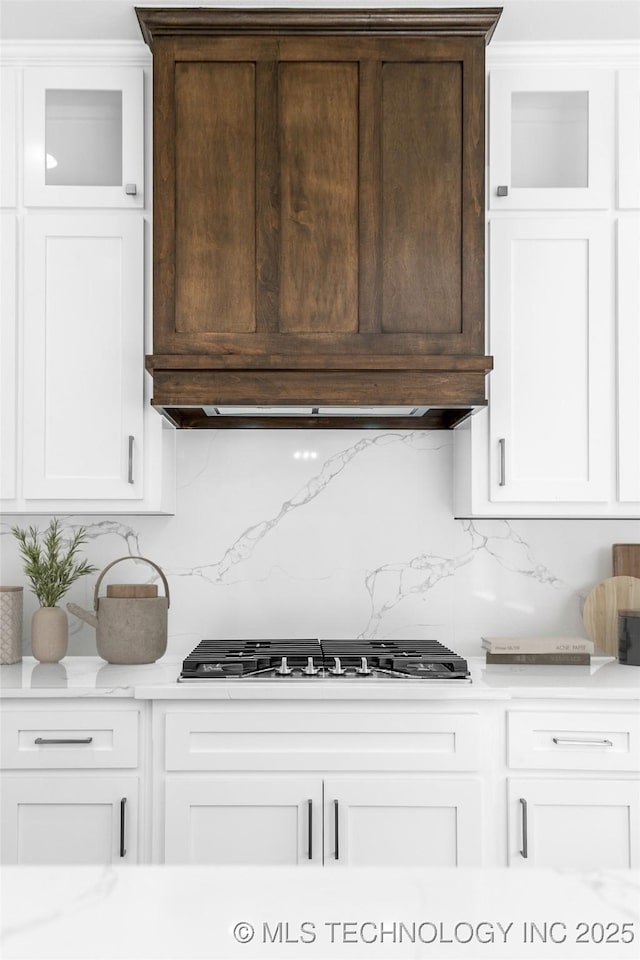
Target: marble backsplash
333	534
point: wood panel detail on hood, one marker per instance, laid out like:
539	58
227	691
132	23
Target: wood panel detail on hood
318	214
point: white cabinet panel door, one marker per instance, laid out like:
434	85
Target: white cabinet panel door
629	359
551	139
8	116
261	821
8	357
629	139
83	357
574	824
550	390
83	137
69	820
403	823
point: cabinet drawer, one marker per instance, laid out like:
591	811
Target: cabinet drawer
574	741
341	742
38	739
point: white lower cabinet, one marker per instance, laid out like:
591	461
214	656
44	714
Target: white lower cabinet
422	822
333	784
59	820
70	788
580	809
284	821
261	820
574	824
405	784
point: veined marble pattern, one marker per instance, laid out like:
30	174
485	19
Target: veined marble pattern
165	911
339	533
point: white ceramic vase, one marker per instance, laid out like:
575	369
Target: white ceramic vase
49	634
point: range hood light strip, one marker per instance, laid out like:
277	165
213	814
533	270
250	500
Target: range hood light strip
315	411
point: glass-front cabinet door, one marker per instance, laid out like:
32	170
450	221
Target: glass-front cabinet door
551	136
84	137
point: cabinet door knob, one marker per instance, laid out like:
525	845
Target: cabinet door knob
336	830
131	189
502	191
310	827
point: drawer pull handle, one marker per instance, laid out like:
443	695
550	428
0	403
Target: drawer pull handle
524	853
310	827
589	741
62	740
336	830
123	807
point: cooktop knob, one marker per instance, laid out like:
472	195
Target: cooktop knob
363	670
337	670
284	669
310	670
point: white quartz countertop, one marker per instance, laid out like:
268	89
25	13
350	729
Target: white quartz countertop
264	913
93	677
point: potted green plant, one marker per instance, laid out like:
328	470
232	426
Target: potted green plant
51	564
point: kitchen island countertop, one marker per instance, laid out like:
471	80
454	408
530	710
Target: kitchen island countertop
92	677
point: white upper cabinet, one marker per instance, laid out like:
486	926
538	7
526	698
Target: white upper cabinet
549	408
8	140
8	356
561	435
83	137
628	359
83	357
551	139
629	139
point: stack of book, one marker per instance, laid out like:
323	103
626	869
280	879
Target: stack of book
567	651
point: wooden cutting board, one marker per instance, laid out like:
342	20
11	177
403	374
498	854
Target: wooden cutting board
626	559
600	614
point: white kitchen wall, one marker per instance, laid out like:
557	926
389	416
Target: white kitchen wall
334	534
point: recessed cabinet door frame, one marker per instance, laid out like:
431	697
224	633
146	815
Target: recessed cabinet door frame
628	341
128	81
83	357
629	139
403	823
574	824
8	144
58	820
550	391
257	821
8	357
394	261
596	166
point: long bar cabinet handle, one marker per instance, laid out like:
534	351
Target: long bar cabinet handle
130	463
524	853
63	740
123	807
310	827
590	741
336	829
502	443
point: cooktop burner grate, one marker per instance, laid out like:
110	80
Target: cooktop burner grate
322	659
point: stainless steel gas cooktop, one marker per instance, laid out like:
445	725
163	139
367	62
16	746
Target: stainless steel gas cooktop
310	660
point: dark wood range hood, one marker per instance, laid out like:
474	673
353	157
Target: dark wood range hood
318	216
